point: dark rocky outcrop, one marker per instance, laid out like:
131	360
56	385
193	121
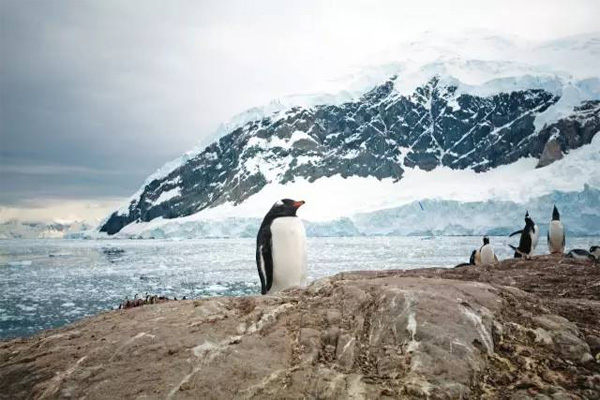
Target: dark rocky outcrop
515	330
552	152
568	133
378	135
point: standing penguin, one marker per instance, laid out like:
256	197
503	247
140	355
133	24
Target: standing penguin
281	248
528	240
556	234
486	252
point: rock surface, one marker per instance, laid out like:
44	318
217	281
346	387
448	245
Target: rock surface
551	153
518	329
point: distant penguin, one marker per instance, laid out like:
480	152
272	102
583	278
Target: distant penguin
473	260
580	254
556	234
281	248
486	252
529	238
595	250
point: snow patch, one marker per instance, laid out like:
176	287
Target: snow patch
168	195
572	95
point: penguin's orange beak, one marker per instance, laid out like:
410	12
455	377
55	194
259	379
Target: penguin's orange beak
298	204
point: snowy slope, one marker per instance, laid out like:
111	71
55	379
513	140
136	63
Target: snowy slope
579	211
333	206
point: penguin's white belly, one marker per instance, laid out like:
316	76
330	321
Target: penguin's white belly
487	254
556	236
288	244
535	235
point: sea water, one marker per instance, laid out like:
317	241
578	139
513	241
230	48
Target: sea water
49	283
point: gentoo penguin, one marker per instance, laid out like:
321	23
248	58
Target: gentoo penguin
281	248
486	252
595	250
528	240
471	261
580	254
556	234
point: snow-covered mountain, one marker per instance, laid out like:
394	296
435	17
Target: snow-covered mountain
474	115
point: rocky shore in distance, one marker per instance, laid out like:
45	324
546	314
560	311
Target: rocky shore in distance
520	329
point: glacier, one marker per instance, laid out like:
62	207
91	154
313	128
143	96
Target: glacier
580	213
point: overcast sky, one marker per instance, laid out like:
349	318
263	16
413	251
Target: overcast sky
96	95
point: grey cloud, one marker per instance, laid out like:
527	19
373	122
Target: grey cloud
88	84
125	86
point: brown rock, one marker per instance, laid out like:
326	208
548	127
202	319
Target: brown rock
431	333
552	152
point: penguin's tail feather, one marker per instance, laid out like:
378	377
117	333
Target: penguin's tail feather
516	233
519	253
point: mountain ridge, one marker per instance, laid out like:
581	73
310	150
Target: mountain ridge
380	135
458	113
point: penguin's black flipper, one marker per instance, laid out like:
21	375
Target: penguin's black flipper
472	258
268	257
512	247
264	259
516	233
263	283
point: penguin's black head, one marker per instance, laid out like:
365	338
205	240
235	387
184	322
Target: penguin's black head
555	214
285	208
486	240
528	220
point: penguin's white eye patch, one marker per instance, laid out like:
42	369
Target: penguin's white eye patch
279	203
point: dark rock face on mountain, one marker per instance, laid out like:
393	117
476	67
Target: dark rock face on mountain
378	135
568	133
428	333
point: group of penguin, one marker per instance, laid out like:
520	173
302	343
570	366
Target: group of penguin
528	242
281	256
